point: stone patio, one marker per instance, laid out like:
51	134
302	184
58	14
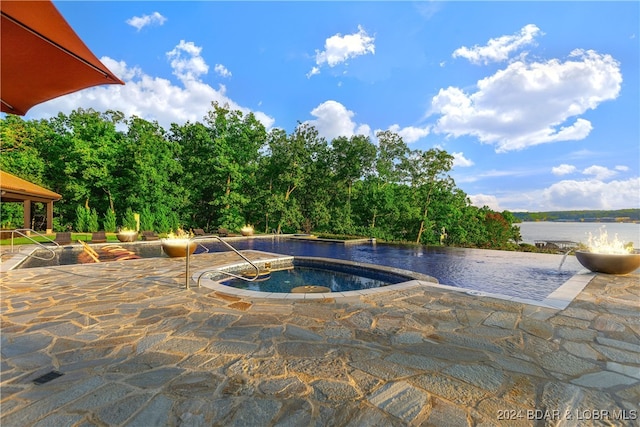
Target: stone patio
138	349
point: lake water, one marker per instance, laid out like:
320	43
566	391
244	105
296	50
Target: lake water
578	231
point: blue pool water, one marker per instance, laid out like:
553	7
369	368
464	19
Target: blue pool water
284	281
517	274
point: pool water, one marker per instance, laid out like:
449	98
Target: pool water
517	274
283	281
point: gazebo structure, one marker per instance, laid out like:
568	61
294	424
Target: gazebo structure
14	189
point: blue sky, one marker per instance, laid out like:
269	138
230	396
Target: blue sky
537	101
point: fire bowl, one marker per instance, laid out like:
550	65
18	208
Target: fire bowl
609	263
178	247
127	237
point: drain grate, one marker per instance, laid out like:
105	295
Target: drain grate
50	376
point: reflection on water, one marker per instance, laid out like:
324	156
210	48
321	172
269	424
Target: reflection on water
518	274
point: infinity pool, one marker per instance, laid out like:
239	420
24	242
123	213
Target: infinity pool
516	274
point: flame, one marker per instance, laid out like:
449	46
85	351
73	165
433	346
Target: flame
601	244
179	234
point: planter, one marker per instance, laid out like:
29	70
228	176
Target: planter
127	237
178	247
246	232
609	263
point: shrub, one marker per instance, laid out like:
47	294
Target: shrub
92	221
109	223
129	220
147	220
82	219
166	220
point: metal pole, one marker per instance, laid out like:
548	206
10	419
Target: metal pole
187	267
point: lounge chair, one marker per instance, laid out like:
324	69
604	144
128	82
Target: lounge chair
149	235
199	232
113	253
89	252
98	237
223	232
63	238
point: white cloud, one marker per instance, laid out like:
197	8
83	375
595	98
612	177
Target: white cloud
563	169
334	120
459	160
499	49
409	134
153	98
186	61
592	194
482	200
222	70
576	195
140	22
338	49
313	72
528	104
599	172
621	168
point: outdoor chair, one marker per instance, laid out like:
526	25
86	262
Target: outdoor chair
223	232
88	253
98	237
149	235
199	232
63	238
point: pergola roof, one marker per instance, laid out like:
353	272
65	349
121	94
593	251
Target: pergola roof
14	189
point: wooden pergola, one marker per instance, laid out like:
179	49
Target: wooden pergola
18	190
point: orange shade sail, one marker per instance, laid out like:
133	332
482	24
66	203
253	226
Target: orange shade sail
42	57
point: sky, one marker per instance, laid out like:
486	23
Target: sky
538	102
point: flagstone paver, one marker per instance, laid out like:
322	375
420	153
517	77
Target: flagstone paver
138	349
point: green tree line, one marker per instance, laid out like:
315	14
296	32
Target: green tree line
228	171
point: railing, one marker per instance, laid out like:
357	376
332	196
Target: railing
187	274
21	232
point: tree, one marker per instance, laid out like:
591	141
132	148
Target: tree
498	230
317	191
18	154
82	158
20	157
229	171
237	140
196	158
353	159
109	222
381	199
149	170
284	174
427	171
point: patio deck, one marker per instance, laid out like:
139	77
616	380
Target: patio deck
138	349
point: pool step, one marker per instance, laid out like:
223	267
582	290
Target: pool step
263	275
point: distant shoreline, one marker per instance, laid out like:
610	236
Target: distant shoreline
631	215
